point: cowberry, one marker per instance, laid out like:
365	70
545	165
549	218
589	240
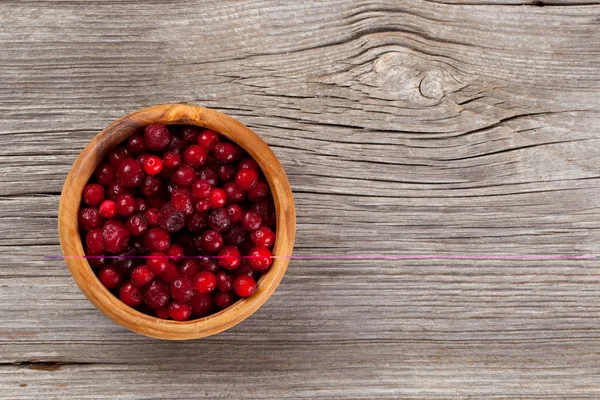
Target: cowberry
152	165
217	198
246	179
251	220
244	286
208	139
263	237
224	299
190	134
105	174
108	209
116	157
181	199
136	144
224	152
210	175
157	137
224	281
258	192
260	258
227	172
90	218
130	294
125	205
110	277
195	156
202	305
157	239
219	220
137	224
180	311
233	193
182	289
157	294
157	262
205	282
170	274
189	268
141	276
211	241
184	176
201	189
94	240
93	194
235	213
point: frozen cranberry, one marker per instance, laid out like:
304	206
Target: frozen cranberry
202	305
208	139
141	205
263	237
130	294
190	134
236	235
258	192
141	159
90	218
204	282
137	224
151	186
233	193
117	156
108	209
93	194
171	160
210	175
184	176
129	173
180	311
217	198
152	165
94	240
125	205
266	209
246	179
157	262
136	144
245	269
195	156
110	277
157	239
244	286
138	245
141	276
157	137
201	189
224	281
152	216
224	300
162	313
114	189
171	219
229	257
176	145
208	264
157	294
196	222
235	213
105	174
95	259
175	252
189	268
202	205
125	259
219	220
225	152
181	199
182	289
260	258
170	274
251	220
226	172
248	163
211	241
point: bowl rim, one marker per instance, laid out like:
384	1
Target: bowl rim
95	151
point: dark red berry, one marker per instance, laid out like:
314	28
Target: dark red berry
246	179
157	137
227	172
195	156
235	213
152	165
176	145
190	134
152	216
236	235
171	219
196	222
137	224
217	198
171	160
258	192
182	289
180	311
251	220
117	156
162	313
151	185
136	144
210	241
157	294
233	193
116	236
184	176
110	277
129	173
138	245
90	218
130	294
181	199
170	274
108	209
260	258
244	286
248	163
202	305
114	189
201	189
224	300
224	281
205	282
141	276
219	220
189	267
210	175
94	240
95	259
105	174
125	205
157	262
202	205
208	139
175	252
229	257
93	194
224	152
263	237
209	264
124	259
157	239
141	205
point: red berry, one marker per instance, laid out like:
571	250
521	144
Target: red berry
176	145
202	305
171	219
182	289
190	134
233	193
152	216
93	194
263	237
141	205
229	257
129	173
195	156
125	205
157	294
108	209
201	189
130	294
258	192
236	235
110	277
116	236
157	239
224	281
157	137
171	160
136	144
225	152
175	252
208	139
94	240
246	179
208	264
181	199
251	220
162	313
137	224
248	163
157	262
260	258
141	276
210	175
180	311
117	156
89	218
217	198
196	222
152	165
114	189
202	205
189	268
205	282
219	220
105	174
170	274
227	172
184	176
151	186
210	241
235	213
95	259
224	300
244	286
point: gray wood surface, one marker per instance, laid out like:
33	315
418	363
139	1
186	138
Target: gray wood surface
405	127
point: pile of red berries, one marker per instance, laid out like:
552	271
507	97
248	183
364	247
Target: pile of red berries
178	222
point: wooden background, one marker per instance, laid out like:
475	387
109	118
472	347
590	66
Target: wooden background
405	127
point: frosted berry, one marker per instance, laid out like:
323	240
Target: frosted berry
157	137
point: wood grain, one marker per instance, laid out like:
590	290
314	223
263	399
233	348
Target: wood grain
405	127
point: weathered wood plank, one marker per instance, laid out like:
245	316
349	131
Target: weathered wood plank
430	127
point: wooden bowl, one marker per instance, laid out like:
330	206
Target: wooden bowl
84	167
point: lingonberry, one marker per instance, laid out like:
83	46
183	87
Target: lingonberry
141	205
259	258
248	163
201	189
157	239
189	268
116	236
224	299
170	274
95	259
208	139
258	192
124	260
141	276
195	156
157	262
219	220
151	186
93	194
176	145
136	144
157	137
202	305
229	257
184	176
251	220
205	282
171	160
104	173
236	235
210	175
162	313
181	199
246	179
130	294
217	198
196	222
94	240
90	218
110	277
202	205
244	286
129	173
210	241
208	264
190	134
125	205
152	216
175	252
114	189
224	281
182	289
152	165
233	193
137	224
180	311
224	152
226	172
157	294
263	237
171	219
235	213
116	157
108	209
